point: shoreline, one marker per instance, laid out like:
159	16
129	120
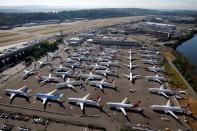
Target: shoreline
189	72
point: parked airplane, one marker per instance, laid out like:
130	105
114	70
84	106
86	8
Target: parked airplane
105	72
43	63
30	72
73	65
123	106
102	84
69	84
68	73
57	69
97	67
131	77
21	92
53	95
67	49
90	76
68	60
45	79
156	69
169	109
85	101
149	52
150	61
164	92
53	55
131	66
150	56
156	78
109	63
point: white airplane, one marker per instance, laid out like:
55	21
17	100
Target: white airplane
150	56
123	106
131	77
105	72
45	79
97	67
73	65
162	91
150	61
85	101
169	109
69	84
109	63
156	69
43	63
21	91
67	49
48	96
131	66
68	60
156	78
64	74
149	52
90	76
29	72
53	55
57	69
101	84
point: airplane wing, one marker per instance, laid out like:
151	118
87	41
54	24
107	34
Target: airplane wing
125	75
81	105
22	88
12	95
154	71
171	113
45	80
25	71
158	81
103	80
123	111
161	87
49	75
51	92
124	101
71	86
164	94
44	100
100	86
85	97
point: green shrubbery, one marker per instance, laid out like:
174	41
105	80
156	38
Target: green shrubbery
183	66
32	53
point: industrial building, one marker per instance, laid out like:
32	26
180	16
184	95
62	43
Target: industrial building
117	41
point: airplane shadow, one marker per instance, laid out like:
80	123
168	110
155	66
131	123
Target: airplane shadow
27	98
178	120
48	103
90	106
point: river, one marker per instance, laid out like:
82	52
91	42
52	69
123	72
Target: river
189	50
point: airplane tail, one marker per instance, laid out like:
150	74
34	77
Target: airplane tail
137	104
58	95
98	99
26	89
186	107
39	77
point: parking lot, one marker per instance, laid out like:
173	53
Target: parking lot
136	91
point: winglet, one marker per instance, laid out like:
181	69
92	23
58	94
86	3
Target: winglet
137	104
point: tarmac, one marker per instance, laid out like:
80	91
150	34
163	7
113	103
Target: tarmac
109	119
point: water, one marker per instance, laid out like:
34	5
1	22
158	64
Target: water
189	50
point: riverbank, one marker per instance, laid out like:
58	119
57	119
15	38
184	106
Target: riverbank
184	65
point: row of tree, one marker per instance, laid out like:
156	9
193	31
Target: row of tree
29	55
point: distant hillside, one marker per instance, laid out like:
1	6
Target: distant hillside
18	18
